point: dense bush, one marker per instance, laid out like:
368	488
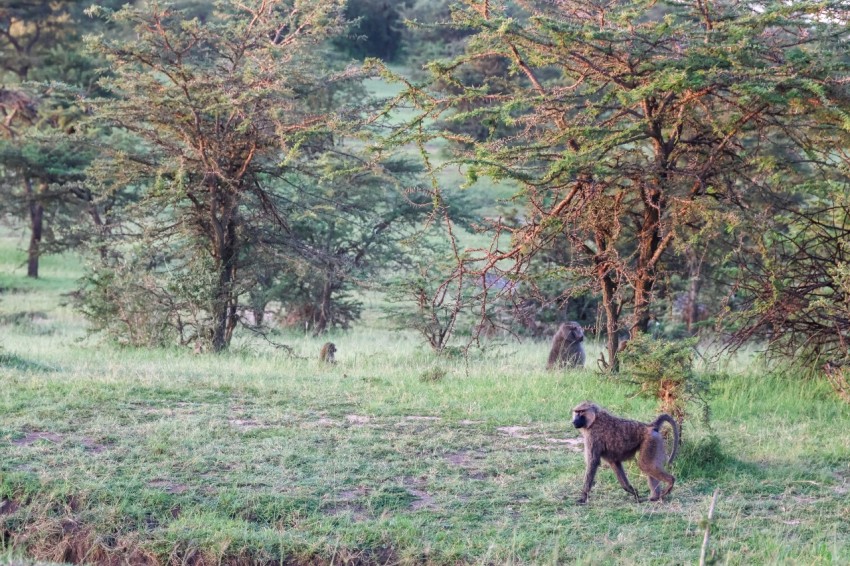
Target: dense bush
663	370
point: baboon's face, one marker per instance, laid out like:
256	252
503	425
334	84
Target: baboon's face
331	349
576	333
583	415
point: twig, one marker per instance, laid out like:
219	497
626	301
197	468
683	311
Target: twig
708	528
264	335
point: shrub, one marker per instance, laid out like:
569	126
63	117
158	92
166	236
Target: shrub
663	370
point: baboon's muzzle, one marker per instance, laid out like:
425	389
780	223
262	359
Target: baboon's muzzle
579	421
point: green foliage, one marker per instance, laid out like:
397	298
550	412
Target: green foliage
664	370
433	375
702	458
125	302
635	144
221	159
795	291
375	30
429	299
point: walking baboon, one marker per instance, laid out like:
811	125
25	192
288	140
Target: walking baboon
614	439
327	353
567	347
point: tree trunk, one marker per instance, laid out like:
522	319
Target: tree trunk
224	303
649	241
225	252
692	305
323	318
36	227
605	276
612	321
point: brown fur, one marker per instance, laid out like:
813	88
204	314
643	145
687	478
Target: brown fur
567	347
327	354
615	440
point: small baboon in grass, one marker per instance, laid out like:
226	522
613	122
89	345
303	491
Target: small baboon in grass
567	347
327	354
614	439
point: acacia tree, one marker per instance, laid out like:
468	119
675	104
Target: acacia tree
345	229
635	125
226	111
42	159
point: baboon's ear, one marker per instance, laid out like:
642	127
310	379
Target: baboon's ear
590	416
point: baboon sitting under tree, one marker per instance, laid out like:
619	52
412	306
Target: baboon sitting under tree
614	439
327	354
567	347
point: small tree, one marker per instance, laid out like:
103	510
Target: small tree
423	301
347	229
663	370
228	112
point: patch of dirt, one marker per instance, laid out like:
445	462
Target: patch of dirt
33	437
351	494
469	462
168	486
514	431
467	422
844	482
247	424
576	444
357	419
416	488
8	506
464	458
424	500
421	418
346	503
92	446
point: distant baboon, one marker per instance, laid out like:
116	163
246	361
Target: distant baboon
615	440
327	353
567	347
623	341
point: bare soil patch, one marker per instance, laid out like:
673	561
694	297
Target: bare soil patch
416	488
91	445
33	437
515	431
168	486
247	424
348	501
469	461
8	506
357	419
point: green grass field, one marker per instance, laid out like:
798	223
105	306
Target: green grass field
115	455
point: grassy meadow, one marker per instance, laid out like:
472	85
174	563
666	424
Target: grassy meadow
392	456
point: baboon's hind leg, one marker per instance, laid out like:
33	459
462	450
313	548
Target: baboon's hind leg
657	475
624	481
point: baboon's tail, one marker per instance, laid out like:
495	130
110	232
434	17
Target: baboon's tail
656	424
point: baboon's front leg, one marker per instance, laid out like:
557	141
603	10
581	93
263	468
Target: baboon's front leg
589	477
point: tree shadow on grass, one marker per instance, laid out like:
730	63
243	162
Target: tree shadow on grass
13	361
705	459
